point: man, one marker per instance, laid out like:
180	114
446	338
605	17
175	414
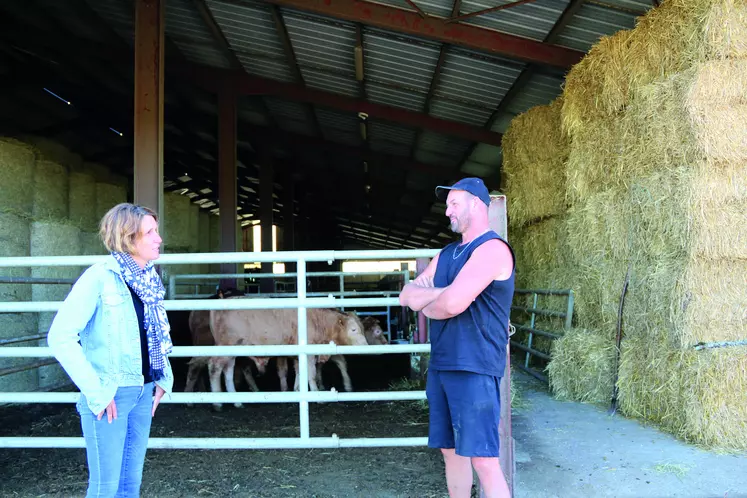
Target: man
466	291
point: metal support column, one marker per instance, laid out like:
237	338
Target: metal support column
227	177
266	285
148	120
289	235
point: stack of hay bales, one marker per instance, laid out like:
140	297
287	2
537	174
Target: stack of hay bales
535	152
656	180
50	205
17	162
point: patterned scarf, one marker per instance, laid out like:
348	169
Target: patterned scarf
146	283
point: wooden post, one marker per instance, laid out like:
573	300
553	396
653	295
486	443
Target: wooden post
148	122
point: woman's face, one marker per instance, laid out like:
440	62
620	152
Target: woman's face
148	242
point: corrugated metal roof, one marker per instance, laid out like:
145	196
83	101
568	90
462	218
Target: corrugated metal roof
455	111
449	147
251	32
389	138
70	20
591	23
403	61
290	116
396	97
531	20
188	31
470	76
120	15
329	82
321	43
540	90
441	8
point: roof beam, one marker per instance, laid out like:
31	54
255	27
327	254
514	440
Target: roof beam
245	84
436	28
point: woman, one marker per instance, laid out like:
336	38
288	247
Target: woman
111	335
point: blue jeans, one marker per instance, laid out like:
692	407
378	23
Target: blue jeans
116	451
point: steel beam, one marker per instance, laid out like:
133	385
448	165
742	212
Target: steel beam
436	28
148	137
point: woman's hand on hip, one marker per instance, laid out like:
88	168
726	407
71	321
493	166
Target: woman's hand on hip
159	394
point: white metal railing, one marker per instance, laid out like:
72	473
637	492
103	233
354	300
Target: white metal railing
302	349
201	279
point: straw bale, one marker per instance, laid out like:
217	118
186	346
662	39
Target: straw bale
179	228
666	40
50	191
15	236
90	244
108	195
50	150
203	231
582	366
541	254
20	381
82	198
534	156
17	161
700	396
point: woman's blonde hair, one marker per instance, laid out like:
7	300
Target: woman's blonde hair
120	226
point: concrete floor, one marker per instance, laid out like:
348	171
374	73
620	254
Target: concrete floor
569	450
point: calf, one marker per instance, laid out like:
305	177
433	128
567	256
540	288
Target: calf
199	328
277	327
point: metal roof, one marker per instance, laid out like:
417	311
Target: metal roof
448	88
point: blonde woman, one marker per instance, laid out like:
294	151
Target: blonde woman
111	335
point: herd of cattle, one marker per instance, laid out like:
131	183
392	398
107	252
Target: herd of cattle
274	327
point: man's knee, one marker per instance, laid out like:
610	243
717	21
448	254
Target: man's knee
486	464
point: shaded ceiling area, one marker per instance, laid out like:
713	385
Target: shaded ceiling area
366	106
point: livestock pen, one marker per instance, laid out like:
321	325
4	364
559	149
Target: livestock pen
348	422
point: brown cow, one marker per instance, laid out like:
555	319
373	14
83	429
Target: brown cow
276	327
199	328
374	337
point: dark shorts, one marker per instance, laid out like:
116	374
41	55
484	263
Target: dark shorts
464	411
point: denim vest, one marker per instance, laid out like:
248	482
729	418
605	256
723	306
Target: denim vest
95	336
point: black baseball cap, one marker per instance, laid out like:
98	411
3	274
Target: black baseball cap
474	186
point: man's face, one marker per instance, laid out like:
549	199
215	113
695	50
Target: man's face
458	209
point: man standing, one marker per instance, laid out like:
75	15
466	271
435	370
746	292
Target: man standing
466	291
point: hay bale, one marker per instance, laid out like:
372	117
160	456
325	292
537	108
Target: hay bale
700	396
17	161
91	245
666	40
50	191
108	195
582	366
203	231
52	239
15	237
50	150
82	198
534	156
541	255
179	228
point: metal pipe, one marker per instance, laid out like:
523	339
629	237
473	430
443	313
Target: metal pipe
332	396
536	353
544	292
25	367
569	312
303	360
265	350
225	304
207	276
560	314
225	443
308	294
36	280
226	257
533	373
25	338
538	331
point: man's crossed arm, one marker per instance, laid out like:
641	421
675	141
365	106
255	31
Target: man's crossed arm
490	261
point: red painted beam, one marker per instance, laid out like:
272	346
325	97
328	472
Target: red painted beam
436	28
211	78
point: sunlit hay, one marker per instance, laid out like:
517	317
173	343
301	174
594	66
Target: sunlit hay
716	104
534	155
598	86
541	255
596	160
699	396
582	366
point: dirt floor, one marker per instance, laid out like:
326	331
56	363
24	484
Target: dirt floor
563	450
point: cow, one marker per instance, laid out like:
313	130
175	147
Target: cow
374	337
277	327
199	328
